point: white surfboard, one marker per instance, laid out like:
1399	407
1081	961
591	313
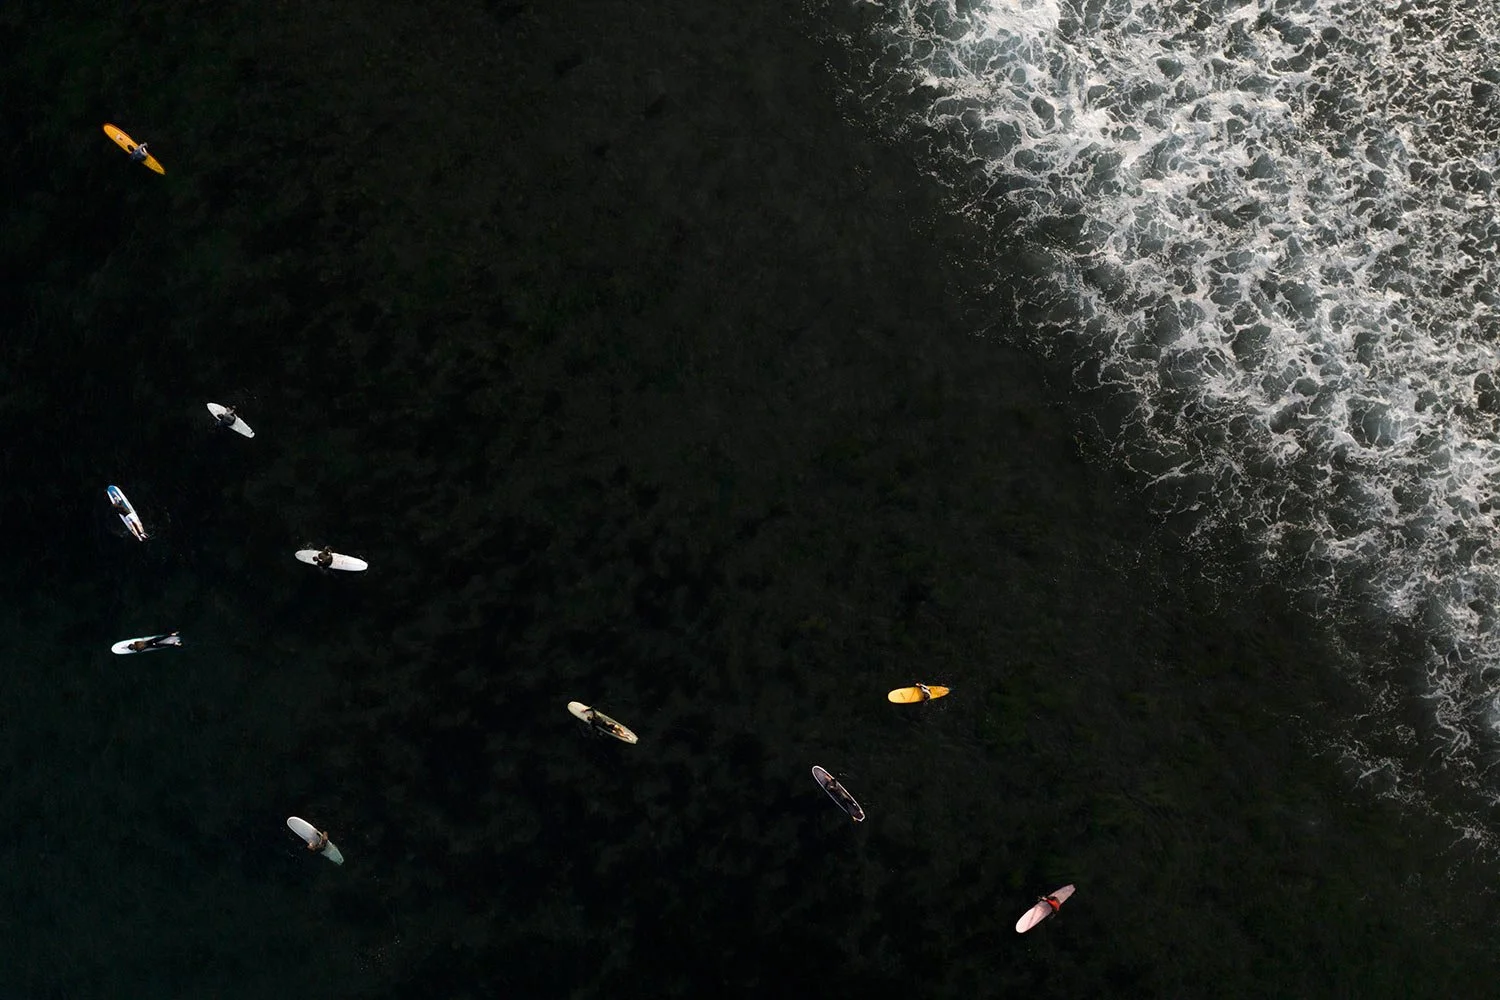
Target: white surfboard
602	722
838	793
311	835
343	562
239	426
122	648
126	512
1042	910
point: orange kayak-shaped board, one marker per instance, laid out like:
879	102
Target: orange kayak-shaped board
912	695
130	146
1044	908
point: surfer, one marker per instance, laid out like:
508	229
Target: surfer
839	794
324	559
1044	907
926	692
155	642
139	154
316	840
600	724
227	418
118	503
842	796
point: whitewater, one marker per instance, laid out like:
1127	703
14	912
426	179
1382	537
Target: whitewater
1267	231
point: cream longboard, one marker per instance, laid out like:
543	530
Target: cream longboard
838	793
238	426
1043	909
130	146
314	838
912	695
122	648
126	512
347	563
602	722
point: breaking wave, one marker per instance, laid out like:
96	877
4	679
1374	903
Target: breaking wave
1271	230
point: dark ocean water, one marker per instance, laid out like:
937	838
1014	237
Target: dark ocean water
644	373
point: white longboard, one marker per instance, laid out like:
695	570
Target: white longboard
343	562
239	426
838	793
1042	910
602	722
311	836
122	648
126	512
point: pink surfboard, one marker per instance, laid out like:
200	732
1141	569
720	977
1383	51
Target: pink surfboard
1042	910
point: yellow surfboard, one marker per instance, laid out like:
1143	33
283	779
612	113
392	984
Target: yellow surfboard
912	695
129	145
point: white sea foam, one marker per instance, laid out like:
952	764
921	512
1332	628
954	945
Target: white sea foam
1274	226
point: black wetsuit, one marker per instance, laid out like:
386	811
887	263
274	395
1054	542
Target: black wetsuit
841	795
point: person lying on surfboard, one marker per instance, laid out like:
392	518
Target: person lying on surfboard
227	418
153	642
604	725
139	154
324	559
1051	901
926	691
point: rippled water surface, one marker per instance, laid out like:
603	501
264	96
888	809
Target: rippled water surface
1272	230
